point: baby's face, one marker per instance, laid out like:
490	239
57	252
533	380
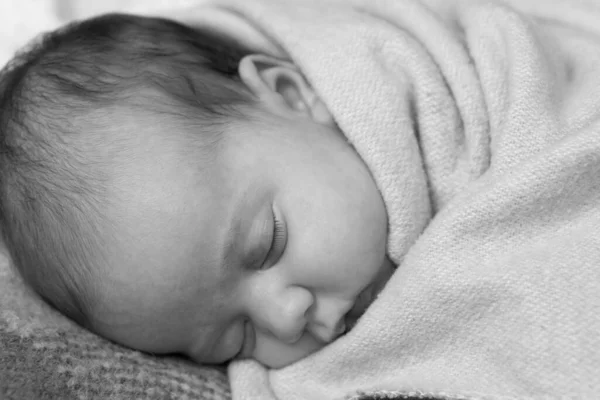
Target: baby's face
265	250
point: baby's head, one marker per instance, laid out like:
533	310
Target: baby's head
175	192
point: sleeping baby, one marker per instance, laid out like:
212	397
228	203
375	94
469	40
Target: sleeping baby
412	188
176	192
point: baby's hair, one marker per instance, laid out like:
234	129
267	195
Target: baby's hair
51	195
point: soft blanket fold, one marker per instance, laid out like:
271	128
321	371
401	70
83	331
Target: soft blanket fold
484	115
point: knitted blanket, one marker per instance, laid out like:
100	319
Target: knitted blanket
486	116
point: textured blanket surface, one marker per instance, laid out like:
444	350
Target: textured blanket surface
484	115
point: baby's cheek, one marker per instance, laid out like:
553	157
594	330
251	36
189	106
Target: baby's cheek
276	354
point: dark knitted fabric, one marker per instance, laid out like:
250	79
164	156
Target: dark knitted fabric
67	366
82	366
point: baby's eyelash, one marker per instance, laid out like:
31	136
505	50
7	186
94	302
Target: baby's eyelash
278	231
278	242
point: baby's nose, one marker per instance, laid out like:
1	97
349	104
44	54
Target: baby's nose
286	318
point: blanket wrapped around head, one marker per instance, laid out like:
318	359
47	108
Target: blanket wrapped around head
485	117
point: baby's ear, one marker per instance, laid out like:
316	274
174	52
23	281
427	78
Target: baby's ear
280	85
